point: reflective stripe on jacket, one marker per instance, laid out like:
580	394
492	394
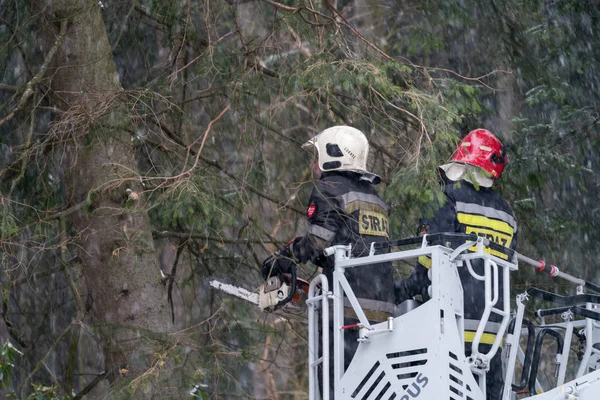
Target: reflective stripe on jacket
470	210
489	332
343	209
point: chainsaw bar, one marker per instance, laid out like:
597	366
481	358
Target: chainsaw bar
235	291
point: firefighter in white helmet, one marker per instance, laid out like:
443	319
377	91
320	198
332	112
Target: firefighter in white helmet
344	208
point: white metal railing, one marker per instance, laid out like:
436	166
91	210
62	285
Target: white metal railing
588	327
341	288
316	302
491	280
320	300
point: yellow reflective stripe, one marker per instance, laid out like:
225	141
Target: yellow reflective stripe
351	197
425	261
479	220
494	236
486	338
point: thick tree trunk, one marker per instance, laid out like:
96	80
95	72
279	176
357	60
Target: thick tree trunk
125	298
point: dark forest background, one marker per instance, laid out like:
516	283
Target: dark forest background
146	146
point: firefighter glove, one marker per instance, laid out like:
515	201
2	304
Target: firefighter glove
279	263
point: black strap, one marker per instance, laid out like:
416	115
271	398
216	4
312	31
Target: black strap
444	239
563	300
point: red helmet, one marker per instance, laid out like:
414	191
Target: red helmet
482	149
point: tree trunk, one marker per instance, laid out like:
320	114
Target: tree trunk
126	302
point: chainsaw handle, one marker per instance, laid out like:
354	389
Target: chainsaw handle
292	290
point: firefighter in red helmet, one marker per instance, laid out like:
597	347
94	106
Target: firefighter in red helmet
480	148
472	207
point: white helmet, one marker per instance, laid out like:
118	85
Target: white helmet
343	148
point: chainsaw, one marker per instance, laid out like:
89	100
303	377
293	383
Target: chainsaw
283	294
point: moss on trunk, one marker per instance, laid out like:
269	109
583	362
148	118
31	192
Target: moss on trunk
126	300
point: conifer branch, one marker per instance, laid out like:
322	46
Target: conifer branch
215	164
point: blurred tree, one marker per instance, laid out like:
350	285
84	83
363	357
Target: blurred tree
147	145
183	121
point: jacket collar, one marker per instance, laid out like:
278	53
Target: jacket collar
458	171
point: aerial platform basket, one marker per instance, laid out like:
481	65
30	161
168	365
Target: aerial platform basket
420	354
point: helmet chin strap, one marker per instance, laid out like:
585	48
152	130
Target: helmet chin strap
316	170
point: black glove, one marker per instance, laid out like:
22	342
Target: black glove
282	262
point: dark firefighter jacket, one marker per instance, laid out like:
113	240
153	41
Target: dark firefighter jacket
469	210
345	209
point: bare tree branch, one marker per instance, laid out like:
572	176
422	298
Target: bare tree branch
215	164
30	86
8	88
171	278
21	388
191	235
90	386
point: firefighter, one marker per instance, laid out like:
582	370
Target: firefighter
343	208
471	206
